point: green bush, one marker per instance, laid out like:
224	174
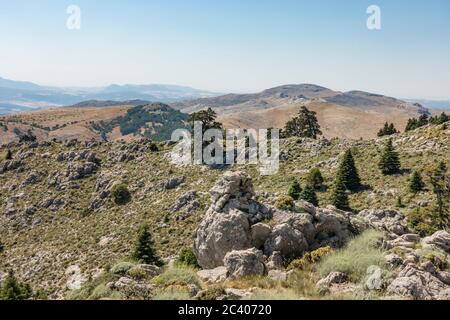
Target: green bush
284	202
7	155
187	258
177	275
101	291
172	293
211	293
354	259
122	268
309	258
120	193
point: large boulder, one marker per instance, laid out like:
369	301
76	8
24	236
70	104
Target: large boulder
219	234
244	263
439	240
260	233
288	241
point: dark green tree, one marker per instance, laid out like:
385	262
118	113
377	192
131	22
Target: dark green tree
309	195
11	289
207	118
144	249
339	197
390	162
304	125
416	183
441	189
295	190
423	120
348	173
387	130
412	124
315	179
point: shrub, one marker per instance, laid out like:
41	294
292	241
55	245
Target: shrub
295	190
7	155
101	291
187	258
309	258
211	293
122	268
177	276
137	273
284	202
354	259
315	179
172	293
144	249
120	193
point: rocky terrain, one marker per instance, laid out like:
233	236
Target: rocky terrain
62	232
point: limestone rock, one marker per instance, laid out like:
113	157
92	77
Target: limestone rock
439	240
244	263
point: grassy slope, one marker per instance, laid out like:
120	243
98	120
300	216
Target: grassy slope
41	254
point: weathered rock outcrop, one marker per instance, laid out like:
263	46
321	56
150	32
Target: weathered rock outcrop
244	263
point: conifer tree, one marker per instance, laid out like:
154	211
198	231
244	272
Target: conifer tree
348	173
309	195
295	190
305	125
416	184
144	249
315	179
11	289
339	197
389	163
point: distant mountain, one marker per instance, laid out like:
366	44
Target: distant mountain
433	104
352	114
22	95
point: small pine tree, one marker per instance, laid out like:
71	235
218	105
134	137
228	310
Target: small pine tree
416	184
315	179
339	197
144	249
11	289
295	190
304	125
309	195
348	173
389	163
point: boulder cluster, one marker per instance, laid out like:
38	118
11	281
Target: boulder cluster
250	238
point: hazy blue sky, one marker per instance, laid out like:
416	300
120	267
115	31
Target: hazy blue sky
231	45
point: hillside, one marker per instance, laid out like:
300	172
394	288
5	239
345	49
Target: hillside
352	115
94	121
59	226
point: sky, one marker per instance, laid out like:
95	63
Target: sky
231	45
